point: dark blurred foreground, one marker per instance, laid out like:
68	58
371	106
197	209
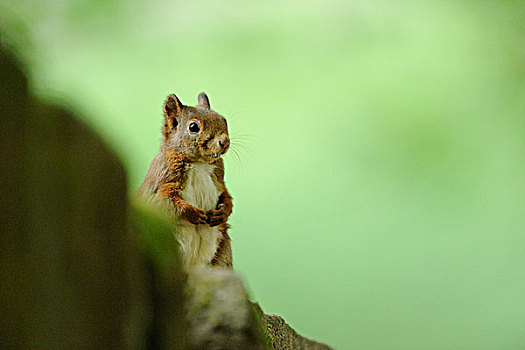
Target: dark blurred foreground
69	270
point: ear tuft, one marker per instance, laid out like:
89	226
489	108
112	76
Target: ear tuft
204	101
172	108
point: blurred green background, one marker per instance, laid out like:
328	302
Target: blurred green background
380	184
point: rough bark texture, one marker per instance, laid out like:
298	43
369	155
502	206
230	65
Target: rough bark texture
81	268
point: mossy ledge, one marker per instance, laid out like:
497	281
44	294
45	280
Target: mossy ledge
222	317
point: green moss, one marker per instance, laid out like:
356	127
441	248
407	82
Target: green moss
154	234
263	326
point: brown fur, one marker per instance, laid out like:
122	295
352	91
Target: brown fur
223	256
165	179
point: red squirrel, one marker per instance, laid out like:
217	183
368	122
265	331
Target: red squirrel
187	176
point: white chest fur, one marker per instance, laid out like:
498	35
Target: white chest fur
199	242
199	189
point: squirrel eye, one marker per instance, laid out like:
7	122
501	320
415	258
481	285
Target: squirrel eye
194	127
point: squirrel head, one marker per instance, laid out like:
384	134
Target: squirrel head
197	133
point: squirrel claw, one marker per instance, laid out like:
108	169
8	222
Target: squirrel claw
198	217
216	217
203	219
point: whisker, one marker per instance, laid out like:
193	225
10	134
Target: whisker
243	147
235	158
232	116
242	137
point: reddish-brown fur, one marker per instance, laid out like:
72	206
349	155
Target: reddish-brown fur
223	256
179	149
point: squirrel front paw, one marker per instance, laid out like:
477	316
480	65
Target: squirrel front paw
196	216
216	217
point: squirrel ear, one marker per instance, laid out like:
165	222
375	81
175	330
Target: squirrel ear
203	100
172	108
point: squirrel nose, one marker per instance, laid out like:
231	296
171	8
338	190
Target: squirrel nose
224	142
